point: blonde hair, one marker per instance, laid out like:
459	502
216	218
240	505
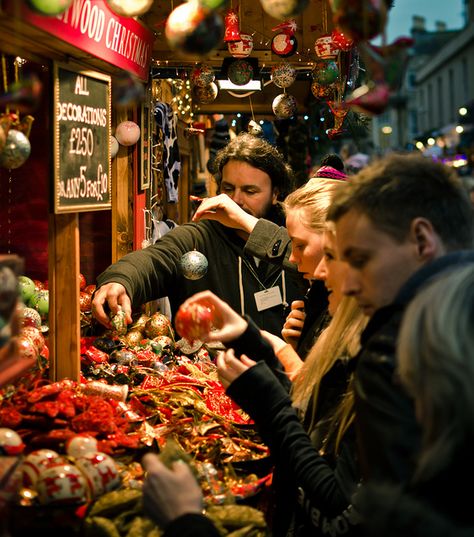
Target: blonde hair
314	197
339	339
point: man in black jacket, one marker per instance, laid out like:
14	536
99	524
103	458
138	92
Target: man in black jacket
399	223
254	175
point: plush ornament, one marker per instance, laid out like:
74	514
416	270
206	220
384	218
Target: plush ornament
325	72
130	8
158	325
241	48
193	29
194	265
231	24
386	64
49	7
61	484
322	92
326	48
254	128
114	146
370	99
283	75
127	133
194	322
360	20
283	9
240	72
10	442
16	151
127	91
341	40
284	45
284	106
202	75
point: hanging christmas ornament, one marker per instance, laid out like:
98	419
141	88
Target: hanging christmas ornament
254	128
3	138
127	91
193	29
283	75
340	111
207	94
130	8
284	106
23	94
283	9
370	98
193	265
231	25
360	20
326	48
284	43
127	133
49	7
215	4
322	92
325	72
16	151
240	72
114	146
202	75
241	48
341	40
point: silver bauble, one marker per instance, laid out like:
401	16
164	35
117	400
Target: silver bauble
194	265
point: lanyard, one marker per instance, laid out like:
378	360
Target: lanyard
255	275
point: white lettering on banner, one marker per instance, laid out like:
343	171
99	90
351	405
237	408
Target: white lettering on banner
81	187
93	21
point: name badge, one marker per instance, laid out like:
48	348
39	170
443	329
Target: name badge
268	298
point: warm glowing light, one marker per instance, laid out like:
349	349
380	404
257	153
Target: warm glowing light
463	111
387	129
419	145
459	129
431	141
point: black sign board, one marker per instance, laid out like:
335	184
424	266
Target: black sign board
82	176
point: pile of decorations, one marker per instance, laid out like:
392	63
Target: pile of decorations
140	390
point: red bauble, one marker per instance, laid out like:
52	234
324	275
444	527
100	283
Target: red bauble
195	321
82	282
90	288
85	300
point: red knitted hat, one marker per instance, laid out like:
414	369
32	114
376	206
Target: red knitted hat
328	172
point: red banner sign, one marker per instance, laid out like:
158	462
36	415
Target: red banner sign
91	26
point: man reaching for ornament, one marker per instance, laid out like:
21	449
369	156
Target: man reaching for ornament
252	175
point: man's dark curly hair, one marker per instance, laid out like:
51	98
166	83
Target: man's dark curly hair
259	154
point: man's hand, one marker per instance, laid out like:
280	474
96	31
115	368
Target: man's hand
293	326
115	295
223	209
169	493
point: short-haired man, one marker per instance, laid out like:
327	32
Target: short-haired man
400	222
254	175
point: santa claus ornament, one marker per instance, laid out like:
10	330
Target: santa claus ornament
241	48
284	43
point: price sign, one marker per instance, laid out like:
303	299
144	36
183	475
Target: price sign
82	104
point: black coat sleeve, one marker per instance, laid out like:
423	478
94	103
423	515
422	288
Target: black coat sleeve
191	525
326	489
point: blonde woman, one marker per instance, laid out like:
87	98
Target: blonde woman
316	468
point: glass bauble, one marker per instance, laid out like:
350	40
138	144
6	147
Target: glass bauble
16	151
284	106
194	265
